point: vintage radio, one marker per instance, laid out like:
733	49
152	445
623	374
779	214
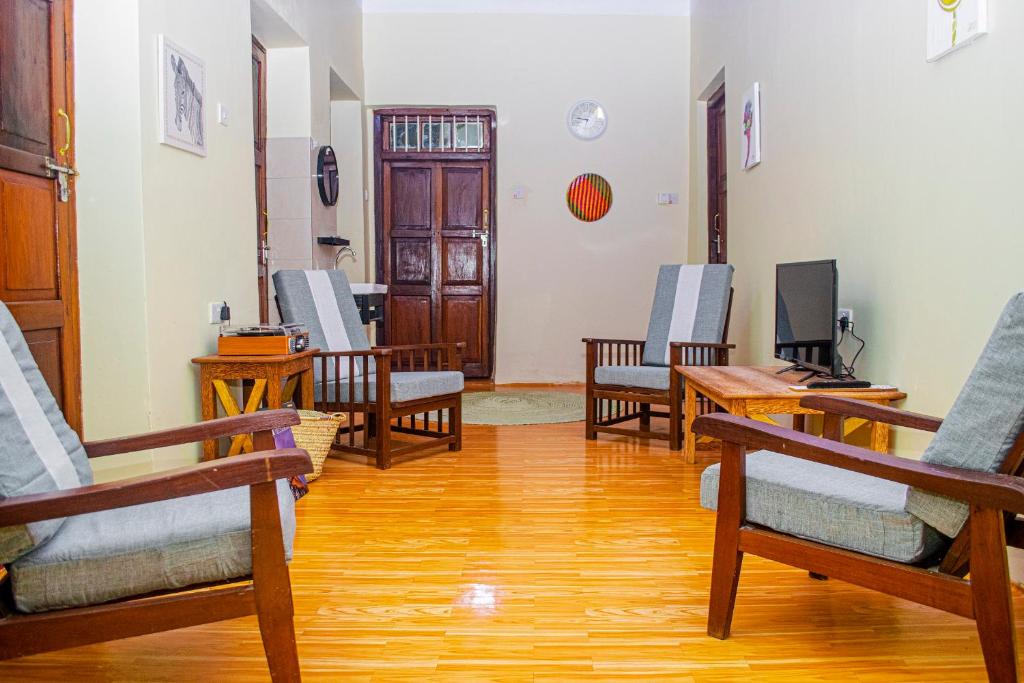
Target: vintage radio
262	340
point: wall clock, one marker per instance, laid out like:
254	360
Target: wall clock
327	175
587	119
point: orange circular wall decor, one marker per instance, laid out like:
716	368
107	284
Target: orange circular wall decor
589	197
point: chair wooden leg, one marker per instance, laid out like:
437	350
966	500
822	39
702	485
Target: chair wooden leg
272	585
645	416
383	440
725	569
591	401
990	585
455	424
675	420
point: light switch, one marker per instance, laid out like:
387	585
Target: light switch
666	198
519	192
222	114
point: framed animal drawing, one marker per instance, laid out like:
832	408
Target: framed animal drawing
182	89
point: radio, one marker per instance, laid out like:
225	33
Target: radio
262	340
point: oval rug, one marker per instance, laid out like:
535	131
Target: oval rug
522	407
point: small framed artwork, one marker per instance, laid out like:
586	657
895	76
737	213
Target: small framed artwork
182	94
953	24
750	145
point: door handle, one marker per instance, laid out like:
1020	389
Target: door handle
487	219
63	151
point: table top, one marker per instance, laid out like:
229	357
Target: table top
263	360
741	381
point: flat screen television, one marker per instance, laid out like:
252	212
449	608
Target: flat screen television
806	303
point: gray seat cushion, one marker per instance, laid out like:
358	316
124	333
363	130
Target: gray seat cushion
39	452
829	505
405	386
690	305
135	550
643	376
984	422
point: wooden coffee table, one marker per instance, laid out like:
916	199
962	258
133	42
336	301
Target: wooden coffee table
758	392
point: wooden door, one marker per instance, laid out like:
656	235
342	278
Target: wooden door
259	141
38	270
435	237
717	133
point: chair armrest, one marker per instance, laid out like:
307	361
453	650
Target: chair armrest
211	429
377	351
1001	491
215	475
424	347
851	407
701	345
431	356
631	342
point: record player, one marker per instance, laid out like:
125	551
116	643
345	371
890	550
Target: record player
262	340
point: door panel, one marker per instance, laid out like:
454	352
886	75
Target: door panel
461	261
38	270
25	76
717	179
412	199
435	246
259	142
414	312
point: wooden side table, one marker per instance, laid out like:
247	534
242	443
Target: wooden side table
274	378
758	392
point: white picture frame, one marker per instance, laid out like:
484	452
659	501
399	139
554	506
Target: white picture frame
953	24
750	127
182	98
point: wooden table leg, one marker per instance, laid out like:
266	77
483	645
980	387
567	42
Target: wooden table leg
689	415
274	391
208	405
880	437
306	387
799	422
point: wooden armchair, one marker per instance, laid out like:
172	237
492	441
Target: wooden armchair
626	377
382	384
912	529
400	389
265	593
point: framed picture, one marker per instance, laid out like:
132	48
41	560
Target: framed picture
953	24
751	143
182	88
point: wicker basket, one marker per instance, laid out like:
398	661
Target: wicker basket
315	434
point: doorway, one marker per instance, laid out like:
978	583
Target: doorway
259	141
435	228
38	265
717	186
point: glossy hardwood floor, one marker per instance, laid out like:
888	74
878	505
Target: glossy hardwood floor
535	555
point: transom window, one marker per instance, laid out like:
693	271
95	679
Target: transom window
434	133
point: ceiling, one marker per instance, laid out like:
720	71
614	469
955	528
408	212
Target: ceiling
622	7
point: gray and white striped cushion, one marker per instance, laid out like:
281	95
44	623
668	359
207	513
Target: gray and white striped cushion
39	452
690	305
322	300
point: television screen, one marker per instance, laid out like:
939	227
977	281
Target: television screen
805	315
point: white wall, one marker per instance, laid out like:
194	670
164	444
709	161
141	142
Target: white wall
905	171
558	279
347	140
163	232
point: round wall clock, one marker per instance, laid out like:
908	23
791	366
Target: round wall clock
587	120
589	197
327	175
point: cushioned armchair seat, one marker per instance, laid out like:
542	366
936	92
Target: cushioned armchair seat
642	376
405	386
829	505
128	551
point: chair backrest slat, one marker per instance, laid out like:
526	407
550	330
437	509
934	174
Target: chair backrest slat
691	304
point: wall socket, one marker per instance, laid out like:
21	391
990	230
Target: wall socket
844	313
215	307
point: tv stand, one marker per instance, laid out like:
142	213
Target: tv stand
797	367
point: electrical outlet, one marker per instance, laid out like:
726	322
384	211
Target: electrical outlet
844	313
215	307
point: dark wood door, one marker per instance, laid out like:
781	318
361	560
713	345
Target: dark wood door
38	271
259	141
437	228
717	186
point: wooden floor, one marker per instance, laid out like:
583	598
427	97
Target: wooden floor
535	555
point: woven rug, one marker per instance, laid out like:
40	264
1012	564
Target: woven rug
522	407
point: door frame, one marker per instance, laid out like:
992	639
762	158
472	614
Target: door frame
262	221
715	131
379	155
